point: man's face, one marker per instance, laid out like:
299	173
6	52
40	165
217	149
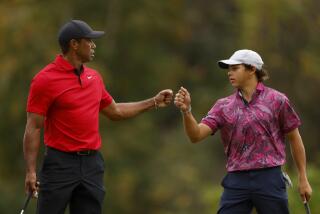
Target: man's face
85	50
238	75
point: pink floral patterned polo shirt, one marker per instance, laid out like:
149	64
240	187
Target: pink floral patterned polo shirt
253	134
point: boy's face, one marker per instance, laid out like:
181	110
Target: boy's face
238	75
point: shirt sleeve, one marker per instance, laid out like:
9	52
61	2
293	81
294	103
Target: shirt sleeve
289	119
213	118
106	98
40	97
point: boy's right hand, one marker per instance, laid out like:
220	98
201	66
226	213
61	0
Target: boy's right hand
183	100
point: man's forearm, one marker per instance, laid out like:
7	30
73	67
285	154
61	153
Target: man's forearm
31	144
128	110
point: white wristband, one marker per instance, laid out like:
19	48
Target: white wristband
186	111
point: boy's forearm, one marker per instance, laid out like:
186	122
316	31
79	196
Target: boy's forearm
299	157
191	127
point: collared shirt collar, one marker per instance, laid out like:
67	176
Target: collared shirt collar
259	88
60	61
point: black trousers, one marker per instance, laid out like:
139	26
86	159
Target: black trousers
71	179
264	189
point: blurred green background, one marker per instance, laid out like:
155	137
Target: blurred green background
151	168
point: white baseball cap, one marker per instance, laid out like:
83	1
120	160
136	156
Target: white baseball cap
244	56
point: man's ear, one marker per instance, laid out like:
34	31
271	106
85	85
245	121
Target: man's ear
74	44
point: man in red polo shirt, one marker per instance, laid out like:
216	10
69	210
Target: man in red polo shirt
65	99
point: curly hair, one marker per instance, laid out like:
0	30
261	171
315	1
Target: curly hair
261	74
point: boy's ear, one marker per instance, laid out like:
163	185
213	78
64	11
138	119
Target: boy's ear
252	69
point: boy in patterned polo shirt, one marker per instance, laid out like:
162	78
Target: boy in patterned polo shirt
254	122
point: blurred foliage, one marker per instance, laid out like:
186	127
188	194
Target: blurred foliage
151	45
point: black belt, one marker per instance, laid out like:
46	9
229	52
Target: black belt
79	153
86	152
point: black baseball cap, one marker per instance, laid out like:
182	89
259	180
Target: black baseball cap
77	29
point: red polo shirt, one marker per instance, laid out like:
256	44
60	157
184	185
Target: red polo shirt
70	104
